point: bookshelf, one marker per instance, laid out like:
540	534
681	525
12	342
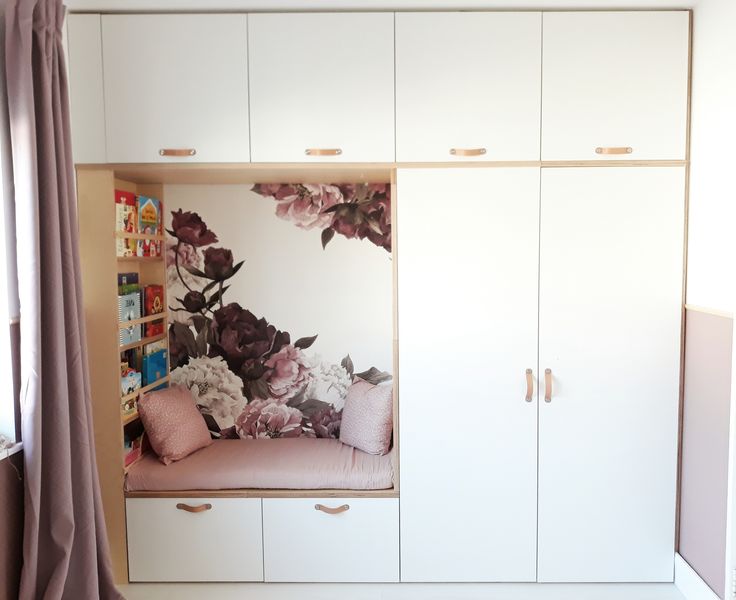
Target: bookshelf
100	268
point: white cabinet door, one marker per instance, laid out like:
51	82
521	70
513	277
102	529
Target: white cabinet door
322	82
344	540
220	540
176	83
610	309
467	259
468	86
87	106
614	81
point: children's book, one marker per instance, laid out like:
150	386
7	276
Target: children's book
126	219
129	306
127	283
154	366
153	299
149	222
154	347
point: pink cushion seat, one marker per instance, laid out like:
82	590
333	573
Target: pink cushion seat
287	463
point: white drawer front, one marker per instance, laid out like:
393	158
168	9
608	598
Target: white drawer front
360	544
222	543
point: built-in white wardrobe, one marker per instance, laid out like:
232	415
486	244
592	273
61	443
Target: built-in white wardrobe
540	188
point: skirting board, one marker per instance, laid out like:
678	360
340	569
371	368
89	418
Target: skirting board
403	591
689	582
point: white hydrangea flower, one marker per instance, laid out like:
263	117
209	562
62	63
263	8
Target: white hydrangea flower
330	383
214	386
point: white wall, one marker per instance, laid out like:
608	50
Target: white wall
712	242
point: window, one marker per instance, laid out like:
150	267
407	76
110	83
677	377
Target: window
9	306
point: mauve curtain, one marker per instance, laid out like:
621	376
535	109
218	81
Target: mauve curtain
65	548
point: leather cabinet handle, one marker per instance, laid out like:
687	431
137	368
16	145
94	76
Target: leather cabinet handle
467	151
614	150
177	152
194	509
548	385
323	151
529	385
332	511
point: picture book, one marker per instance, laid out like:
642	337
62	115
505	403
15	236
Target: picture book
127	283
126	219
153	328
154	347
153	299
154	366
149	222
129	306
130	334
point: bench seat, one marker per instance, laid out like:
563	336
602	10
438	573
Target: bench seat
293	464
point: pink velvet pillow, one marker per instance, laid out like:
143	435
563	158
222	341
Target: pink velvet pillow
367	419
174	426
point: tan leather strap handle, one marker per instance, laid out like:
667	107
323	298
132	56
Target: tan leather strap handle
529	385
614	150
467	151
177	152
194	509
548	385
332	511
323	151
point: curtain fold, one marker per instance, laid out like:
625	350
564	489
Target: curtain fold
65	543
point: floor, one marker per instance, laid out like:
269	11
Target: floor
404	591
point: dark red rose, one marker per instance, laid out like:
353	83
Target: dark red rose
194	301
243	340
218	264
326	422
366	214
188	227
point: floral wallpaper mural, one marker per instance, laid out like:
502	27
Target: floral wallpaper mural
251	378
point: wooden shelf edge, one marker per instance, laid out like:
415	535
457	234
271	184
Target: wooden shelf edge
146	319
145	389
258	493
144	341
127	235
130	418
140	258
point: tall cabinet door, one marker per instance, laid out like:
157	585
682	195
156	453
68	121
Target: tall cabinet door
610	310
322	87
615	85
176	88
471	89
467	297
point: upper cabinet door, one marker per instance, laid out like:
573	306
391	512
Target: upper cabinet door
615	85
176	88
468	86
322	87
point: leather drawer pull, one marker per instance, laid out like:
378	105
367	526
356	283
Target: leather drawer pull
614	150
332	511
194	509
529	385
177	152
548	385
323	151
467	151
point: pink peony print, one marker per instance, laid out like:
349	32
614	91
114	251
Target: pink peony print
303	204
268	419
289	373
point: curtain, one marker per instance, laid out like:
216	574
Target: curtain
65	548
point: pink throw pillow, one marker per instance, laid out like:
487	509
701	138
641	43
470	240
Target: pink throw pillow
174	426
367	419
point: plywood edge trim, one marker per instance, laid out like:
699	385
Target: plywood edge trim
257	493
709	311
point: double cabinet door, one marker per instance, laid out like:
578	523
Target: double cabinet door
379	87
497	285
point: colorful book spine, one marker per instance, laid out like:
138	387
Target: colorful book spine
126	219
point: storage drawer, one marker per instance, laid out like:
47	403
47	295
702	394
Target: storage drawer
195	539
358	542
